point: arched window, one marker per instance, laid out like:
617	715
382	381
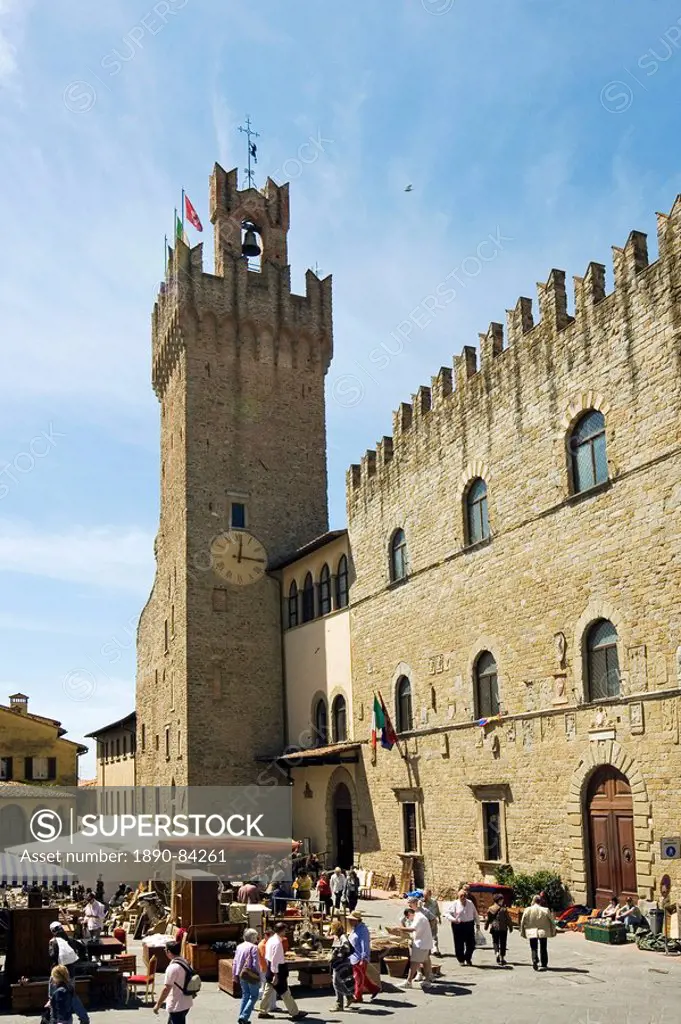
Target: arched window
587	450
339	717
342	587
308	598
324	591
477	519
603	667
403	714
321	725
398	556
293	604
486	686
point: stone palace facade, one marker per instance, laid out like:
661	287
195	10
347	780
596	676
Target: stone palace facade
509	579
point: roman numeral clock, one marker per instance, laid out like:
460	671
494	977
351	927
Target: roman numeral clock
238	557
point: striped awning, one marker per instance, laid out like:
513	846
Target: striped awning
13	871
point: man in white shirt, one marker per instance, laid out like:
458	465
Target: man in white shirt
93	918
276	979
175	980
418	927
337	883
463	917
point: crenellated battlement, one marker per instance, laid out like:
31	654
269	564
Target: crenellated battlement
504	358
251	312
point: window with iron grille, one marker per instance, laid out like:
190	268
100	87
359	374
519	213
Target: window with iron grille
410	828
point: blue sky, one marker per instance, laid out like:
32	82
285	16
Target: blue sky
554	128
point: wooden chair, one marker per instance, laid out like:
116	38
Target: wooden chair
135	981
365	889
122	936
126	963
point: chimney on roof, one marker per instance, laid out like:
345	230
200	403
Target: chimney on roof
19	702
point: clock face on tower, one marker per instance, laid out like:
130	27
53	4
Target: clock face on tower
238	557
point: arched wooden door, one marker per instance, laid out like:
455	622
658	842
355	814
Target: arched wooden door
342	821
610	822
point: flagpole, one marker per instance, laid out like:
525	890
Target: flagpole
165	254
183	212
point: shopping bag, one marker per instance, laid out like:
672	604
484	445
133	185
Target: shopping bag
480	937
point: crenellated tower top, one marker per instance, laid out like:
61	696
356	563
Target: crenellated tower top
532	350
250	307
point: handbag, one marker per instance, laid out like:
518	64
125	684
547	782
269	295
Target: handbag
249	973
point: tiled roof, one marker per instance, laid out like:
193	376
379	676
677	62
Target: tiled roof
22	791
131	718
307	549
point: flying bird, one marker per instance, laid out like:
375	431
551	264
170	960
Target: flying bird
409	188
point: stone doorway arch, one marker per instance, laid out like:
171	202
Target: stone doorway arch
600	754
342	828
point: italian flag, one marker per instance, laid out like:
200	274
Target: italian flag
180	233
380	722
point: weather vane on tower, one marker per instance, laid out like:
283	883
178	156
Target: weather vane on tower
252	150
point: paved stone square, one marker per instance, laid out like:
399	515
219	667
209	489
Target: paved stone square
587	983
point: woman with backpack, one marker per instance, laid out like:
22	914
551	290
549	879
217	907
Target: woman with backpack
62	1000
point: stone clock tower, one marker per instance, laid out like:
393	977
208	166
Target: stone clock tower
238	366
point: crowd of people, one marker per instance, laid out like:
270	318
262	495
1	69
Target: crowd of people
260	965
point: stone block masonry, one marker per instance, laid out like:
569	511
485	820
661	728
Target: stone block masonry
554	563
238	365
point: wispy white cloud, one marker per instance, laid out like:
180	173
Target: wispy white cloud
13	14
103	556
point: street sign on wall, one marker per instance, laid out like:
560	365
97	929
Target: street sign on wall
670	849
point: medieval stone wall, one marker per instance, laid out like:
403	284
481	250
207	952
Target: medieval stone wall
555	563
238	365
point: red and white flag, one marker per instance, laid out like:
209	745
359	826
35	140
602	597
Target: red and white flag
192	215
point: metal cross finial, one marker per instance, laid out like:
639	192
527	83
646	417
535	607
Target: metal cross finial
317	269
252	150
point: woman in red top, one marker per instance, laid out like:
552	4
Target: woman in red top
324	892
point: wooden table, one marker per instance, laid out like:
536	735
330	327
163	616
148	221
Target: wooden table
33	996
106	945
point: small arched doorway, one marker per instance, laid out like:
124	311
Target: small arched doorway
342	827
610	828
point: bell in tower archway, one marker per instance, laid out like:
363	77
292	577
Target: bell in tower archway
250	246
